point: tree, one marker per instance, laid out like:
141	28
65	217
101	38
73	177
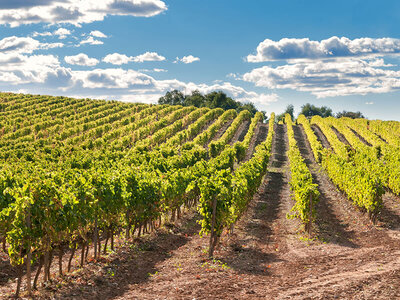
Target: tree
173	98
195	99
248	106
216	99
220	99
289	110
309	110
350	114
265	116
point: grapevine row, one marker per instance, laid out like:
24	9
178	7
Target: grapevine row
305	192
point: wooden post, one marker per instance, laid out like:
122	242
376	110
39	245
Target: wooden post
4	245
71	257
95	235
50	261
46	263
17	290
83	253
231	229
310	218
99	246
112	238
106	242
60	257
28	272
35	280
212	236
29	258
128	230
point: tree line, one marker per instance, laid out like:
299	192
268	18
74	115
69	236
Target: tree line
309	110
216	99
219	99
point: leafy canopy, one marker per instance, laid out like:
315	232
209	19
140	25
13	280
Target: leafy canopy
216	99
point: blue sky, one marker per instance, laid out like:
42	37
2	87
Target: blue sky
342	54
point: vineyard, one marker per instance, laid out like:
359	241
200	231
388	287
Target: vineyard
104	199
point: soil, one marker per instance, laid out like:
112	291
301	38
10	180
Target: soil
340	136
240	132
268	256
333	208
320	136
360	137
221	131
260	135
379	136
390	213
205	127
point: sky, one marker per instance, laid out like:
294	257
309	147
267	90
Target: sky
340	54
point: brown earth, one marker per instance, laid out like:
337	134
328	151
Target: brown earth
221	131
240	132
360	137
379	136
340	136
320	136
267	257
260	134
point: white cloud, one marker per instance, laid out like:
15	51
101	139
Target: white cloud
35	34
97	34
327	78
187	59
130	84
113	79
10	59
156	70
287	49
143	98
117	59
91	41
379	62
62	33
9	78
45	70
121	59
264	99
81	59
51	45
16	13
15	44
327	68
369	103
148	56
235	76
22	70
25	45
237	92
44	74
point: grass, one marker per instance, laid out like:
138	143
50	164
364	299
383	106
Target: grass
215	264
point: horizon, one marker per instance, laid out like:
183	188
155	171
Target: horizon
343	55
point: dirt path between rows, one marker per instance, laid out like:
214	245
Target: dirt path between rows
220	132
340	136
259	136
334	209
360	137
357	260
240	132
320	136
